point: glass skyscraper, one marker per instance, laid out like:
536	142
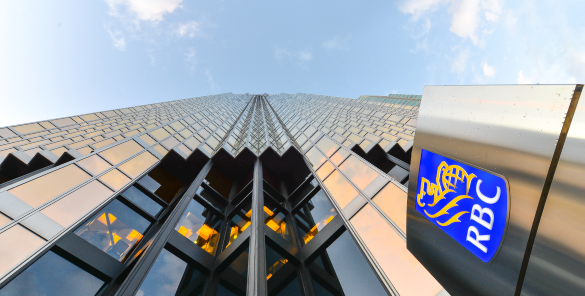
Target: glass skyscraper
218	195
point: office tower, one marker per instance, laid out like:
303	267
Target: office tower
218	195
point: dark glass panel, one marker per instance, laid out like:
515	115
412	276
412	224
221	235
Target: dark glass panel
320	290
114	230
53	275
161	183
292	289
274	262
271	179
219	182
240	220
164	277
201	226
314	215
142	200
275	218
223	291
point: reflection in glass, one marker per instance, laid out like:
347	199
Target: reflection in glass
339	156
164	277
358	172
274	262
94	164
161	183
240	221
327	146
292	289
115	179
325	170
52	275
142	200
4	220
340	189
344	261
408	276
274	218
199	225
118	153
138	164
392	201
16	244
314	215
114	230
316	158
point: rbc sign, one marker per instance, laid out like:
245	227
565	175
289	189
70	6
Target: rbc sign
469	204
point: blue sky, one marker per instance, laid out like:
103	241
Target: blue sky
60	58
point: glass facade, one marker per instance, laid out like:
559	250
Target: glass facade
218	195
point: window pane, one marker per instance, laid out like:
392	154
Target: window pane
240	221
16	244
160	134
142	200
315	157
53	275
340	189
4	220
327	145
164	277
114	230
274	218
358	172
161	183
407	275
392	201
325	170
72	207
314	216
49	186
121	152
339	156
138	164
274	262
351	268
200	226
115	179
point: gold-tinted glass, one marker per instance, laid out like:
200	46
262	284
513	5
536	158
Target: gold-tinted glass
340	189
358	172
4	220
59	151
392	201
324	170
200	226
138	164
121	152
327	145
339	156
49	186
315	157
16	244
28	128
160	149
115	179
94	164
408	276
160	134
72	207
148	139
85	150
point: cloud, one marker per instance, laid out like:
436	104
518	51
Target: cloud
214	86
145	10
190	58
488	70
459	64
336	43
523	79
302	56
189	29
465	18
118	39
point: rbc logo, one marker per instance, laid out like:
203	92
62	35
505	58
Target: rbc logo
469	204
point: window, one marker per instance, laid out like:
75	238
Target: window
115	230
313	216
161	183
142	200
52	275
164	277
340	189
393	201
201	226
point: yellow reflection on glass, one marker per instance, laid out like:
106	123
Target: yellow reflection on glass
276	222
315	157
28	128
160	134
327	145
275	267
121	152
358	172
94	164
85	150
339	156
4	220
138	164
199	225
392	201
78	203
318	226
239	222
49	186
340	189
408	276
115	179
149	140
16	244
324	170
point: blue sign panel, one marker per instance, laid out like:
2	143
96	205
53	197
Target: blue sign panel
469	204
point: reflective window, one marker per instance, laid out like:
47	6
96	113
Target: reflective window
52	275
4	220
327	146
292	289
339	156
115	179
199	225
160	134
392	201
142	200
121	152
340	189
114	230
240	220
75	205
138	164
161	183
314	216
49	186
407	275
316	158
219	182
358	172
345	263
275	218
16	244
146	138
274	262
164	277
325	170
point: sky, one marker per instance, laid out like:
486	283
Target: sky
61	58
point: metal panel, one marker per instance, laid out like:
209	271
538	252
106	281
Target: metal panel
557	262
509	130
